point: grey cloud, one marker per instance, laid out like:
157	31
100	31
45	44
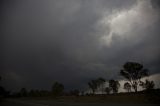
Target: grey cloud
44	41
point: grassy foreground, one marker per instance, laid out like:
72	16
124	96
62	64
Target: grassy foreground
118	98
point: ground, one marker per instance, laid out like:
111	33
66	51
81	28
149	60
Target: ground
100	100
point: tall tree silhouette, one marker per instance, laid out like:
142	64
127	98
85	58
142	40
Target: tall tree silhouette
114	85
127	86
93	85
3	92
100	83
133	72
57	89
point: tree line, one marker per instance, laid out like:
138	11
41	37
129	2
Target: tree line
133	72
57	89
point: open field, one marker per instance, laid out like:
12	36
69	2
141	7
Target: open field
56	103
98	100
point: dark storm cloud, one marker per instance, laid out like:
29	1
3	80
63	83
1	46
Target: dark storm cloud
50	40
155	4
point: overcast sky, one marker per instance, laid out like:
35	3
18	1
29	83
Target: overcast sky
74	41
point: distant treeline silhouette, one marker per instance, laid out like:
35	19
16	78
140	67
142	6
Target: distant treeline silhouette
132	71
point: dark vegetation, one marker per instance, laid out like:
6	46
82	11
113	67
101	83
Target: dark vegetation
3	92
132	71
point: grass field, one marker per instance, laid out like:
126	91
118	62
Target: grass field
120	98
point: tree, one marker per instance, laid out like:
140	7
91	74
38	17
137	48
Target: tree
114	85
108	90
3	92
57	89
93	85
127	86
148	85
133	72
23	92
100	83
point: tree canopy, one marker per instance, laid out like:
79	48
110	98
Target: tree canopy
114	85
133	72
